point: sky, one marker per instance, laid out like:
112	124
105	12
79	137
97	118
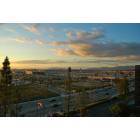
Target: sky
79	45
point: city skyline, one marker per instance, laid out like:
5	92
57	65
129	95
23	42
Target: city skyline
48	45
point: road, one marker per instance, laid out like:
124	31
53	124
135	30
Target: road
103	109
58	103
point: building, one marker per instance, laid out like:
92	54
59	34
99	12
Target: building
28	72
137	85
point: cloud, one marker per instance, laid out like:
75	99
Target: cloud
85	36
58	61
21	40
64	52
89	35
113	49
78	62
87	44
79	37
73	62
81	49
40	62
24	40
33	28
70	34
108	49
83	44
128	59
58	43
75	49
40	42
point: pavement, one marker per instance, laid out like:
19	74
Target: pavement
46	107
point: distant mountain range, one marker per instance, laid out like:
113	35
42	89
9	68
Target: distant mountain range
101	68
114	68
91	69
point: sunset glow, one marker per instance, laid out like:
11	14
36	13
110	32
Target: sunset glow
76	45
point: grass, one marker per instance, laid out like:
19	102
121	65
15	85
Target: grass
25	93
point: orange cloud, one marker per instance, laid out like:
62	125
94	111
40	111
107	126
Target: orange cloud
23	40
33	28
64	52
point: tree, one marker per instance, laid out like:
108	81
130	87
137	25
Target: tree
120	109
6	72
6	81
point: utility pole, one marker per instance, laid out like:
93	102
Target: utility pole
68	89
